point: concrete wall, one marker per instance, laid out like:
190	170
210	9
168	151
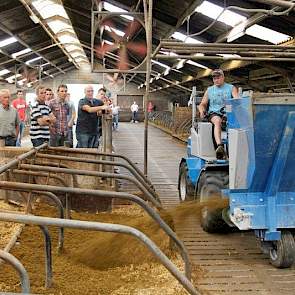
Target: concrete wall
84	76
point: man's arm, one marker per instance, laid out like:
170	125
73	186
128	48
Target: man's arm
234	92
202	107
90	109
73	118
17	121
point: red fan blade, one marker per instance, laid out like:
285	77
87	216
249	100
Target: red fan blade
123	63
138	48
112	33
131	29
101	50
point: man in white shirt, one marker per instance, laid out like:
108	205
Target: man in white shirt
134	110
115	113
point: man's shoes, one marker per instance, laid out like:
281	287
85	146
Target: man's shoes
220	152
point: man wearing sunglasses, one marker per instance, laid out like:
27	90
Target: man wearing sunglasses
213	104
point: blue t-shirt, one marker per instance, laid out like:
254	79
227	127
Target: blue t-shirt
217	96
87	122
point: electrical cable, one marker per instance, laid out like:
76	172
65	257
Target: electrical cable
271	12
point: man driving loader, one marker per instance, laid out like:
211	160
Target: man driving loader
213	104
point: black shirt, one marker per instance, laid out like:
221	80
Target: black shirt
87	122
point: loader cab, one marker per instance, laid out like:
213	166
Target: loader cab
202	139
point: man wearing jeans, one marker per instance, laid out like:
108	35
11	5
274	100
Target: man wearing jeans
61	110
21	106
87	122
9	120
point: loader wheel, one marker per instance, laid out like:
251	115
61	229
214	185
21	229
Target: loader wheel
186	189
209	189
282	252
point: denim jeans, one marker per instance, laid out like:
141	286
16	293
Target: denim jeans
10	141
57	140
38	141
115	121
86	140
20	134
134	116
70	137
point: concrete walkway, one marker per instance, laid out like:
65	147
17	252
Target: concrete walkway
164	155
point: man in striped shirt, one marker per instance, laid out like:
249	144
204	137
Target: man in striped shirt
41	119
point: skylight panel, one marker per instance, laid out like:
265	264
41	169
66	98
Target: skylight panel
49	8
72	47
112	8
7	41
266	34
76	54
185	39
67	38
213	11
4	72
22	52
58	26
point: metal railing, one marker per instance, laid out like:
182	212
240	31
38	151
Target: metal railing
105	227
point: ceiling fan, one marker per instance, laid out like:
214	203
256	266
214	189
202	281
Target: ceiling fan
123	44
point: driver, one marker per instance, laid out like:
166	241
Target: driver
213	101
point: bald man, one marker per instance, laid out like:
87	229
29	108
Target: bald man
87	122
9	119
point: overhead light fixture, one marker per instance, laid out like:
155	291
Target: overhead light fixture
160	64
7	41
193	63
22	52
33	60
11	79
185	39
4	72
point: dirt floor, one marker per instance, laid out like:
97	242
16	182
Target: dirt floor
95	262
7	229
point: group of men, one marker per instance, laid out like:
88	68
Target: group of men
52	119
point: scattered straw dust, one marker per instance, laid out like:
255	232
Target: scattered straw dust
95	262
7	229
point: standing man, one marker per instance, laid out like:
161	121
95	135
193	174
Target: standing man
21	106
87	122
71	119
60	108
41	119
134	110
9	120
213	102
115	113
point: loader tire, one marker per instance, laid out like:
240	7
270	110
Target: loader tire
282	252
186	189
209	189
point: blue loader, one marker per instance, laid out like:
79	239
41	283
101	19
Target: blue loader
257	178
